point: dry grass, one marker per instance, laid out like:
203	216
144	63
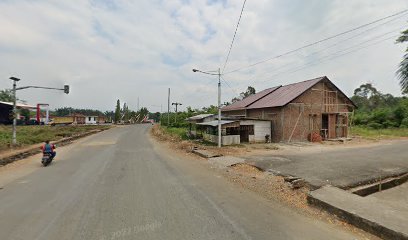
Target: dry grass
160	134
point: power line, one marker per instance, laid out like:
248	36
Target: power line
349	38
342	50
328	58
233	90
319	41
233	38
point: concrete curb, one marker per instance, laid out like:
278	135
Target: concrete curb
35	149
358	221
205	153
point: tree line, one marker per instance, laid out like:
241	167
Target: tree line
125	115
377	110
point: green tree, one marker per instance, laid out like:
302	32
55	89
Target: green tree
143	112
6	95
211	109
25	113
250	91
117	112
402	71
125	113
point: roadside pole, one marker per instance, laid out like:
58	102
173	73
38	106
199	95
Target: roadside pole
15	80
219	108
218	73
168	109
14	140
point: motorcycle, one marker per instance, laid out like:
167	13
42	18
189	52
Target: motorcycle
46	159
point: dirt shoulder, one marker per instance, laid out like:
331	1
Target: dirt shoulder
269	186
10	155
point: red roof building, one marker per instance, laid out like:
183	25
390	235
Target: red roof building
298	110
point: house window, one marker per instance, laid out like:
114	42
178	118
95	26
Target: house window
89	118
249	128
232	131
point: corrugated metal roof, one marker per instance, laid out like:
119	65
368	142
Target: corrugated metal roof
285	94
215	123
199	117
249	100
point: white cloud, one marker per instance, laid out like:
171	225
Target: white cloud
128	49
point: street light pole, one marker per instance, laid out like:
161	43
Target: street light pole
219	100
15	80
14	139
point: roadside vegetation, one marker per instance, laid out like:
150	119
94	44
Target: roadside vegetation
376	134
379	115
27	135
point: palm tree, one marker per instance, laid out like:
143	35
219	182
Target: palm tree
402	72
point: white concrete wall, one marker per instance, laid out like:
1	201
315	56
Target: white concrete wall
92	121
261	128
225	140
230	140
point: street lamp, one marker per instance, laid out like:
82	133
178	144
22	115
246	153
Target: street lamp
15	80
218	73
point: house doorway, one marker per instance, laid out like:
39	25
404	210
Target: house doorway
325	126
244	131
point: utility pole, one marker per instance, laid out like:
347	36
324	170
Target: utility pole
176	103
218	73
219	107
138	104
168	109
14	140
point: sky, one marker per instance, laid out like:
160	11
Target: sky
135	50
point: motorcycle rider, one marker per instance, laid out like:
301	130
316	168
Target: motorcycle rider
49	148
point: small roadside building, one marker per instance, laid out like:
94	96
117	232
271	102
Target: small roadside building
229	131
234	130
91	120
293	112
197	130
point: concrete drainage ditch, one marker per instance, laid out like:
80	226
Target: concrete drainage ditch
379	186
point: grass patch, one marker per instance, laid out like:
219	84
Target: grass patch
27	135
379	133
178	132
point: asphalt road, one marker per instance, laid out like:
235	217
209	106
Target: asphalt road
118	185
343	167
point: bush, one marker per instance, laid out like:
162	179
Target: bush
404	123
374	125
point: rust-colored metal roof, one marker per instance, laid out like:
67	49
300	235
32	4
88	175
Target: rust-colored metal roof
244	103
274	97
285	94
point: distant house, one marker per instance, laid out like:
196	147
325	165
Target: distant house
78	118
293	112
101	119
91	120
68	120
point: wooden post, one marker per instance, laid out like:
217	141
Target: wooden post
294	128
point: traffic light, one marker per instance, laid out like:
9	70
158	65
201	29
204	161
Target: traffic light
66	89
